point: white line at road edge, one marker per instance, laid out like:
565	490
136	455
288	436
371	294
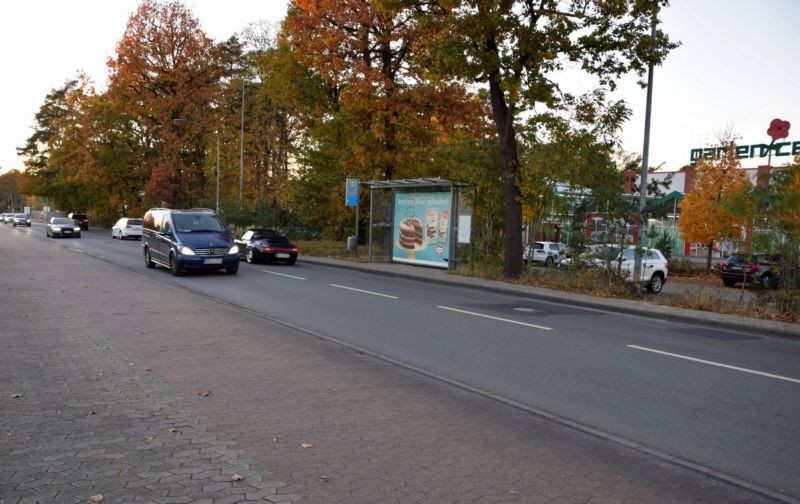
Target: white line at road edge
711	363
283	274
364	291
496	318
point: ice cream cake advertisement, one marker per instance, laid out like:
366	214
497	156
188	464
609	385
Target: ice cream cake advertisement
422	228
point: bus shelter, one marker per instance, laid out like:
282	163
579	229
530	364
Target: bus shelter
425	221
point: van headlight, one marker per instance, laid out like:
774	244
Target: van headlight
234	250
186	251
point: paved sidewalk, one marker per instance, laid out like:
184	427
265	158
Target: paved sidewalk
441	275
117	385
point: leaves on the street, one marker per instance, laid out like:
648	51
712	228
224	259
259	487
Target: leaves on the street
147	439
17	395
147	369
306	445
205	393
237	477
97	498
173	429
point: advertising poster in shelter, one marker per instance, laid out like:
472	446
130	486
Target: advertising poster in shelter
422	228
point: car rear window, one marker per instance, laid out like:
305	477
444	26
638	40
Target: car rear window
134	222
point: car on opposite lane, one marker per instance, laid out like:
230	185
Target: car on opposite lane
63	227
127	227
266	245
21	219
8	218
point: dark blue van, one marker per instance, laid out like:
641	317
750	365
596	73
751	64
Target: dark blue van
186	240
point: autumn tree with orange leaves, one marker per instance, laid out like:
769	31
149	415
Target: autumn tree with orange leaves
707	212
167	69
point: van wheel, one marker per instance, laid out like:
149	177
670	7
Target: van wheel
147	260
656	283
174	268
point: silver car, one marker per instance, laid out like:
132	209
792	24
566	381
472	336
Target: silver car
127	227
61	226
21	219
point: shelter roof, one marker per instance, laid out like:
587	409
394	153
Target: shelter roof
418	182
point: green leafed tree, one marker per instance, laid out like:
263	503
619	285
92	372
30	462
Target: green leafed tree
517	47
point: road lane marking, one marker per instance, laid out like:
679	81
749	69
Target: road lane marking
496	318
364	291
712	363
282	274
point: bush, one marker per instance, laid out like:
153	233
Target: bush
685	267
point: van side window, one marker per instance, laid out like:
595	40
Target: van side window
166	227
149	221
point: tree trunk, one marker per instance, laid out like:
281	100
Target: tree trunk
504	122
710	251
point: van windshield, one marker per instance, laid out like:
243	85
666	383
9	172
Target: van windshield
197	223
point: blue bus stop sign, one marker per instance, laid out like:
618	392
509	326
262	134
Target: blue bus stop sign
351	192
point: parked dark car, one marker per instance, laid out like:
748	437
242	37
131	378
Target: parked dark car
63	227
80	219
266	245
750	268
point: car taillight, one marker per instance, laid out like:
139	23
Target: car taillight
266	249
294	249
85	220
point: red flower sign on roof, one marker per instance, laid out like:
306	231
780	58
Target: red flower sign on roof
778	129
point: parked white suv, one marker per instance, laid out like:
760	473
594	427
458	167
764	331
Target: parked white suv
655	267
548	253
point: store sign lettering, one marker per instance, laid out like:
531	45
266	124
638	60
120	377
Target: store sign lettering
748	151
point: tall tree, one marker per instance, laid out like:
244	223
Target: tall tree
380	117
707	212
165	69
516	47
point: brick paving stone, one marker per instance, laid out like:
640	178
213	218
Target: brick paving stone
381	434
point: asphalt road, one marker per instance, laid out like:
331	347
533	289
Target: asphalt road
721	399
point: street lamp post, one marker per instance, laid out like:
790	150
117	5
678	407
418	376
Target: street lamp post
216	133
241	153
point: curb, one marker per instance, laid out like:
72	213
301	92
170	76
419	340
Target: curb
624	306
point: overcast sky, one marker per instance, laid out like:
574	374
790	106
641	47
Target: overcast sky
737	66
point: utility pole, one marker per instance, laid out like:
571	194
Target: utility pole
637	268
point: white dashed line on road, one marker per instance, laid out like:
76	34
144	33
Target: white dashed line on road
364	291
712	363
283	275
510	321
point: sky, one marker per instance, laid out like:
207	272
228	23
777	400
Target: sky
735	70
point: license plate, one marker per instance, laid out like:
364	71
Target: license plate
213	261
282	256
67	232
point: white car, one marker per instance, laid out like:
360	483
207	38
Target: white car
127	227
655	267
8	218
548	253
